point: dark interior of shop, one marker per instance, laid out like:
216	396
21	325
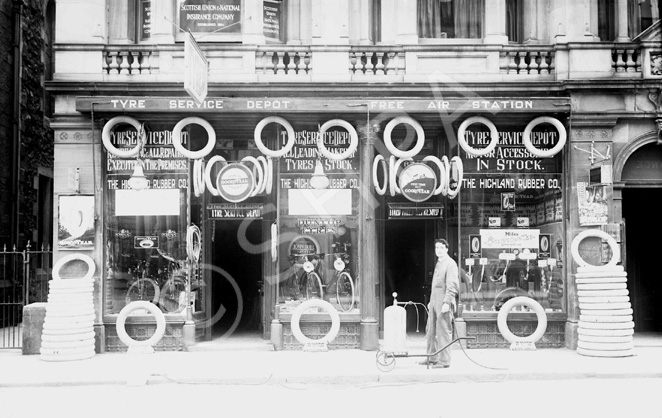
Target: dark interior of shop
236	299
642	238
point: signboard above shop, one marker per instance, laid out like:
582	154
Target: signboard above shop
415	210
138	104
210	15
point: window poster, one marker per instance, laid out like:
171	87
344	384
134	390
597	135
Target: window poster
75	222
592	203
210	15
272	12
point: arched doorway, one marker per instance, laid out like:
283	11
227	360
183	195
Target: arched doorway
641	178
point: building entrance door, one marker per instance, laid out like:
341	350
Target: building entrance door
236	283
643	234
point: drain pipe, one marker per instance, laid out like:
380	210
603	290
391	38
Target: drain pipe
16	148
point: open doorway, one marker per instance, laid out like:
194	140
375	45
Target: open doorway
236	299
408	264
643	232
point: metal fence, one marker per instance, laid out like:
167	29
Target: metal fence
24	276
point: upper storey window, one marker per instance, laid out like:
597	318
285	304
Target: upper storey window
641	15
450	18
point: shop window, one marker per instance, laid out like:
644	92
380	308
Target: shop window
146	230
450	18
641	15
514	19
129	21
274	20
607	20
318	222
511	221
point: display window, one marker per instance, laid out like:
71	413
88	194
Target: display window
318	217
511	214
146	218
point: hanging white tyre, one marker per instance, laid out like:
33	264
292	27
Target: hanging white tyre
600	339
526	137
391	174
120	326
108	144
605	332
198	177
73	257
353	140
257	173
595	233
379	161
257	136
605	346
603	299
502	319
420	137
613	292
601	286
478	152
443	180
394	175
315	303
208	180
608	325
460	174
605	318
177	138
592	306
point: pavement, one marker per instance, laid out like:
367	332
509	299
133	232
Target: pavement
252	361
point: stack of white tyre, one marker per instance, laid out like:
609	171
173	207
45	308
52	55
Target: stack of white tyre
69	322
606	325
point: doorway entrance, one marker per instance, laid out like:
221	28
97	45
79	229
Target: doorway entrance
408	263
642	234
236	299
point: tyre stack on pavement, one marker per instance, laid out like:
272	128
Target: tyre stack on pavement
606	326
69	323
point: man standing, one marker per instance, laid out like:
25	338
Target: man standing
445	284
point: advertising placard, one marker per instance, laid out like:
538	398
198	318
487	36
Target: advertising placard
210	15
75	222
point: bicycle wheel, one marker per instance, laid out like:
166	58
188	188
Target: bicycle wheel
143	289
173	294
345	292
314	286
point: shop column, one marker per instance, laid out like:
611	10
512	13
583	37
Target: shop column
495	24
368	243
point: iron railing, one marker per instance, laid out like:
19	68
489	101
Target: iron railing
24	276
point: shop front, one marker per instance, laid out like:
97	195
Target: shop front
233	214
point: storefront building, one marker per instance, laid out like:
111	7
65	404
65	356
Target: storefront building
303	151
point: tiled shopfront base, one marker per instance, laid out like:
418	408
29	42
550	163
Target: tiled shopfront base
348	335
172	339
488	336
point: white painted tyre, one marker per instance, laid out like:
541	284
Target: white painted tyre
264	164
270	175
607	325
177	138
391	174
602	280
208	180
447	174
87	343
502	319
73	257
604	353
605	346
596	233
193	244
613	292
605	319
605	332
198	178
70	326
599	339
443	180
257	173
601	286
379	160
353	140
603	299
68	357
601	306
494	136
47	351
257	136
107	143
420	137
460	174
602	273
526	137
394	175
610	312
120	326
601	270
64	338
315	303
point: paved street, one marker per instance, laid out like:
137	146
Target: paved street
603	398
